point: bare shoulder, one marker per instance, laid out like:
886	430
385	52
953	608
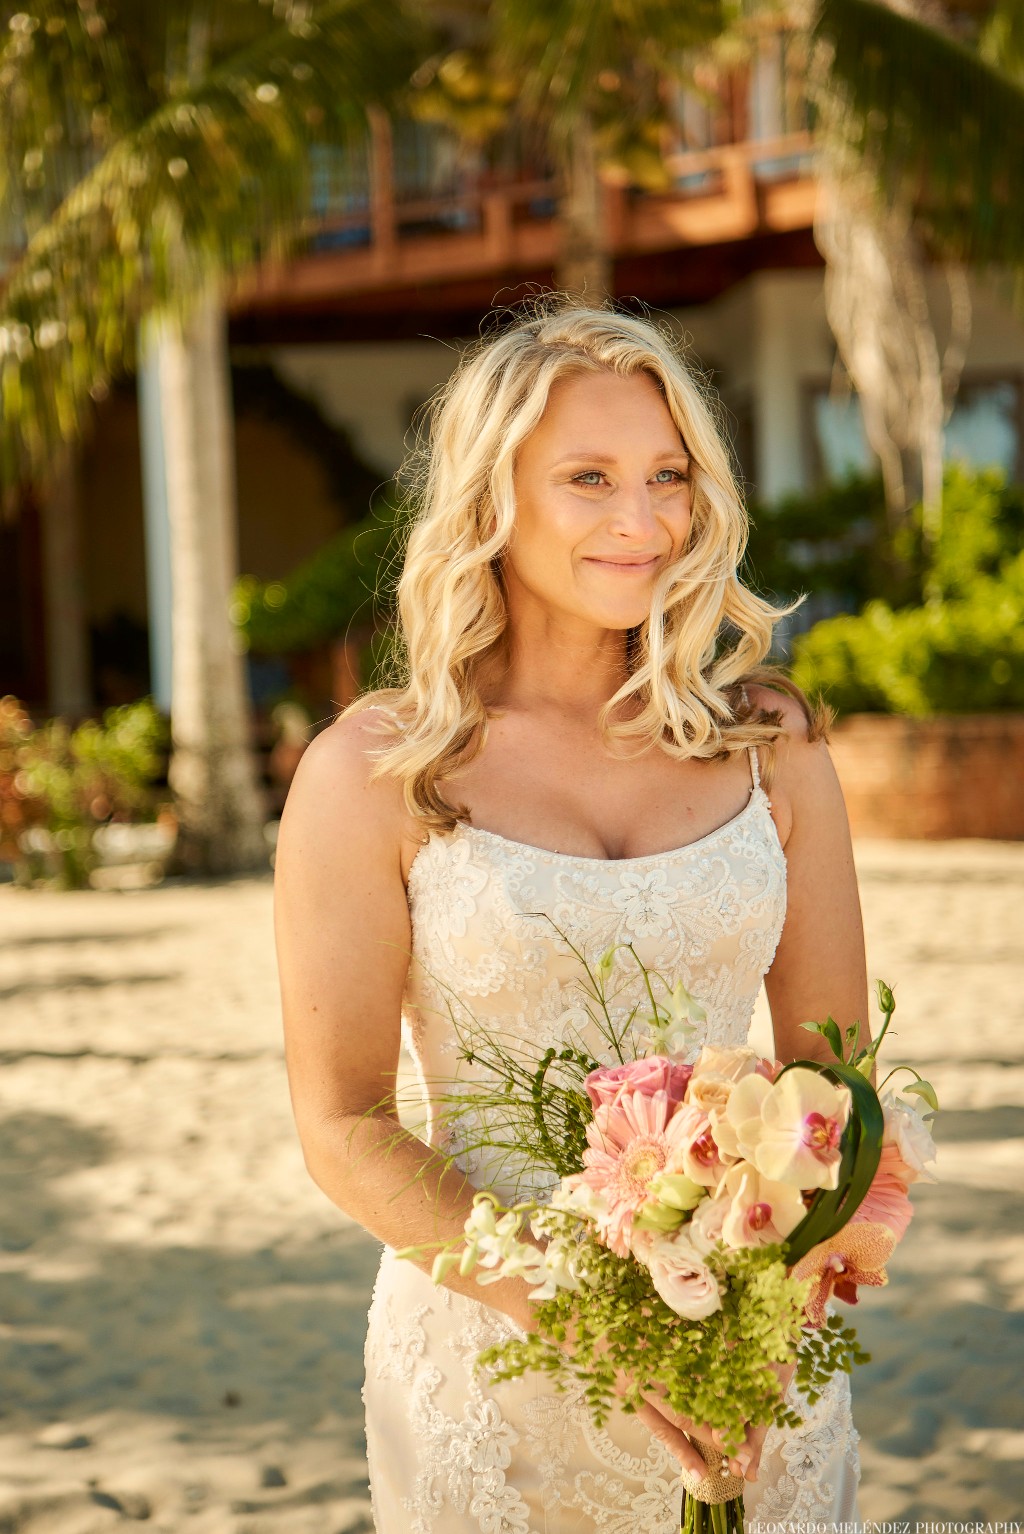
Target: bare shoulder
333	795
772	701
804	785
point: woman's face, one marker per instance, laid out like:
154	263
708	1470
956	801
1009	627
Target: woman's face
602	501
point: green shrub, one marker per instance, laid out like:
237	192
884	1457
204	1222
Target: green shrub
982	529
833	542
346	582
837	541
961	655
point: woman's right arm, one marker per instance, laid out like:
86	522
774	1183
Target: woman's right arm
343	944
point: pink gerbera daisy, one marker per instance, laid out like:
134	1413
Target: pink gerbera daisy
629	1143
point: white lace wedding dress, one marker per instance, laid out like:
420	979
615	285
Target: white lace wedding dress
449	1453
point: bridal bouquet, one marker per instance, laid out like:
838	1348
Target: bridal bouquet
701	1214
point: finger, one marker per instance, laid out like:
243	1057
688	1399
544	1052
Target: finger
750	1454
739	1457
674	1439
741	1460
658	1399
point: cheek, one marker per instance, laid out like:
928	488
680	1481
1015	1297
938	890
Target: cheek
683	526
547	531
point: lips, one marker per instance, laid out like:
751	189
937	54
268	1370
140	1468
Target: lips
623	562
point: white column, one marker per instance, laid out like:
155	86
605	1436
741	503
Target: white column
778	327
157	524
212	770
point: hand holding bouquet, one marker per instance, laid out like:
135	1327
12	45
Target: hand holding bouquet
705	1214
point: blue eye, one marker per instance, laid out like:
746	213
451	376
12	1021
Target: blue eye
677	477
590	478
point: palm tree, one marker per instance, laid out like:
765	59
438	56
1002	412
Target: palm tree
152	151
904	177
921	133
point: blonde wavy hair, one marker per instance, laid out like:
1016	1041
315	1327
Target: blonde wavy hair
706	634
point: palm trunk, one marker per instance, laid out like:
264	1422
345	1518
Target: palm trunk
584	268
212	770
877	306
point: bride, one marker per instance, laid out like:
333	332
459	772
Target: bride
586	731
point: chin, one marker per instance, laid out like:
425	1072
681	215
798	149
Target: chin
620	621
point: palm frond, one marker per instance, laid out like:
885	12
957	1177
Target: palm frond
561	50
935	121
215	179
1002	38
68	91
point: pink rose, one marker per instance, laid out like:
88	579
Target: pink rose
655	1074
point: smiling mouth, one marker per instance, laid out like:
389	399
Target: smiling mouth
635	566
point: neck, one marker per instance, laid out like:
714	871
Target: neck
574	681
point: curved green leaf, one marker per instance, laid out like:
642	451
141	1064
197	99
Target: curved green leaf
861	1148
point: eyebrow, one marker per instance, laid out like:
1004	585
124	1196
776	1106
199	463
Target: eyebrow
605	458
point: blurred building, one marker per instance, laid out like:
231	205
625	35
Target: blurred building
409	247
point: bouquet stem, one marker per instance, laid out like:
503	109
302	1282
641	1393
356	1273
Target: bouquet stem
711	1518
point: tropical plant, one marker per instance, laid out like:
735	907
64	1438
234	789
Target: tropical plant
152	151
65	783
592	80
585	83
920	121
836	541
959	651
345	583
149	146
964	656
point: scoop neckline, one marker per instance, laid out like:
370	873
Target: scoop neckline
757	795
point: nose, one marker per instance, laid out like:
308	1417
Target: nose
632	512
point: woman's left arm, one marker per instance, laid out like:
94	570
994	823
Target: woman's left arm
819	969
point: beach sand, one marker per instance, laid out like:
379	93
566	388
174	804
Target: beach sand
182	1311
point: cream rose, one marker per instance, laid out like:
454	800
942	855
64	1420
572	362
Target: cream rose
682	1278
709	1093
729	1064
705	1229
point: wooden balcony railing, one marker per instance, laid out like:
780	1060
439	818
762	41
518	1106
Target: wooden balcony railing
384	240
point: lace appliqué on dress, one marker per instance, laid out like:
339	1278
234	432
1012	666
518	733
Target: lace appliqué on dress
799	1466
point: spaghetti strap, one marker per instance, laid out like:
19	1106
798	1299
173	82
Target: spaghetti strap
380	708
755	771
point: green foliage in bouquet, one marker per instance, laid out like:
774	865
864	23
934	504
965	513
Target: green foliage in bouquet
626	1326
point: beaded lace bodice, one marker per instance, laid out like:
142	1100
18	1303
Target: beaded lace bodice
495	922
